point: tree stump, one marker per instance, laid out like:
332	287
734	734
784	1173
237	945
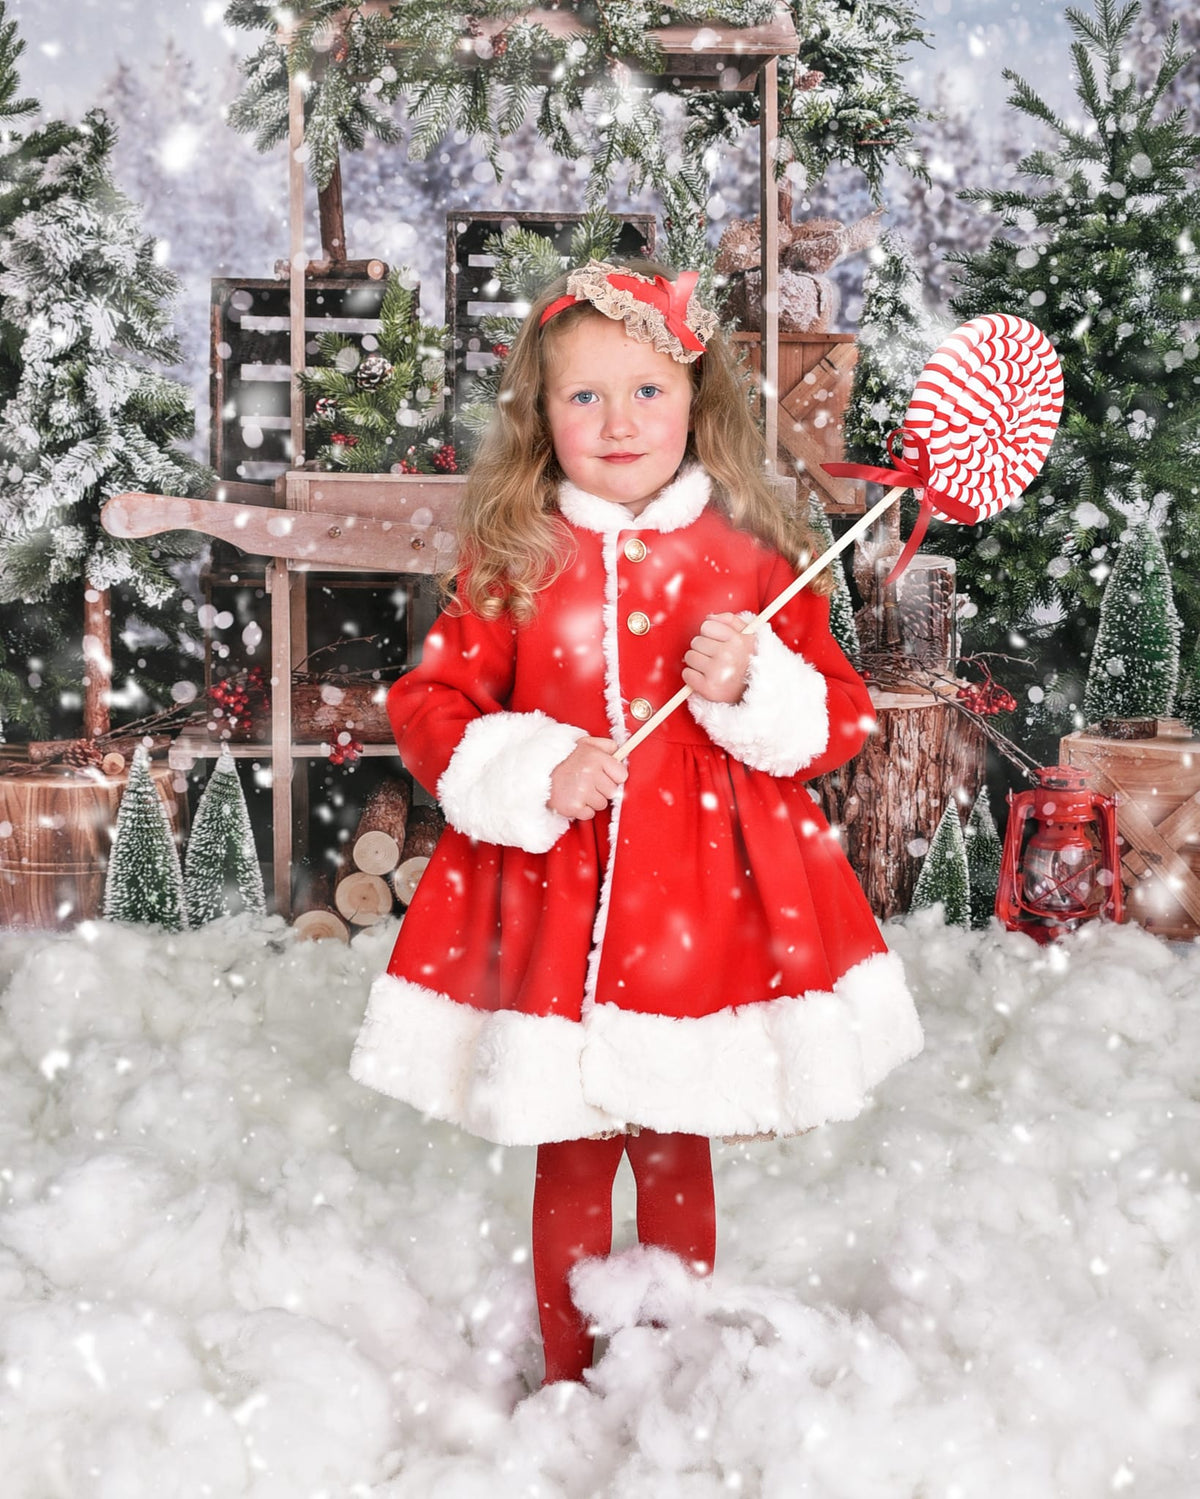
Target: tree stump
890	798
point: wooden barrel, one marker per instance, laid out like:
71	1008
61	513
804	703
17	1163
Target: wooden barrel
56	827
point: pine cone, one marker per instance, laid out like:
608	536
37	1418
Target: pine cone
372	372
84	754
326	408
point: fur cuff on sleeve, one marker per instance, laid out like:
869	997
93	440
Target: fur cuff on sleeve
497	783
782	721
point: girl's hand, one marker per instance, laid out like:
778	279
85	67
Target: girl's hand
718	661
587	780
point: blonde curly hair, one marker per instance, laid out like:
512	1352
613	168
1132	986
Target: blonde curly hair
512	540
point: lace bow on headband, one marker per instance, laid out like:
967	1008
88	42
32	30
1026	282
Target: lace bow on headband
655	311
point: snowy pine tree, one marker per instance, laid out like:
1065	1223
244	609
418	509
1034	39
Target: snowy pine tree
984	851
86	421
144	881
1135	660
895	337
1108	265
1187	700
221	856
944	875
841	608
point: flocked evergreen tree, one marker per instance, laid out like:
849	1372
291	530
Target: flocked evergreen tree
841	608
82	314
984	851
943	875
1135	660
1109	215
144	882
895	337
842	96
1187	700
222	860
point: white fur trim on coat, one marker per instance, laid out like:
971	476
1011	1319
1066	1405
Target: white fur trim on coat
782	1065
677	504
509	1077
497	784
781	723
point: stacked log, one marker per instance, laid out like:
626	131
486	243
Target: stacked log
425	826
315	917
382	864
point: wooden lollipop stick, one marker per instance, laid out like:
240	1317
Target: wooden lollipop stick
777	603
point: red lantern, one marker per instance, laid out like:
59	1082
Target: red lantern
1060	864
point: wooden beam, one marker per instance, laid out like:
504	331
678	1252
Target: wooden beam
768	146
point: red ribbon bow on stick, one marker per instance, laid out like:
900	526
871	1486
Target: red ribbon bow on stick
912	475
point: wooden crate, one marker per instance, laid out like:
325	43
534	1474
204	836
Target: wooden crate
816	371
470	296
1157	782
250	374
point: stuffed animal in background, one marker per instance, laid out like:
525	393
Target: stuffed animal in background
808	298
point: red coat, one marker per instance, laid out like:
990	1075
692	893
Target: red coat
700	957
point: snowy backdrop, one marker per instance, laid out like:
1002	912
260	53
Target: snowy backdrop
229	1270
167	74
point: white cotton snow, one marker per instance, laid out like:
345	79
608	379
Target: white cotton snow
228	1270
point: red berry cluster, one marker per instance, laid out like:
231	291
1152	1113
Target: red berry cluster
346	751
987	698
343	440
445	460
500	351
236	694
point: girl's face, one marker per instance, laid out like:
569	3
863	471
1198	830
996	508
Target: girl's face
618	412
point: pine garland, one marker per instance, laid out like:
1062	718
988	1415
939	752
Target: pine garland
943	875
482	66
221	855
377	395
144	882
1135	660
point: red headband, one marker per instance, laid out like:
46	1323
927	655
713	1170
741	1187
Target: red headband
654	312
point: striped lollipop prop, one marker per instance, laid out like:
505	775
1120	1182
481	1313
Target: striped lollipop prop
978	427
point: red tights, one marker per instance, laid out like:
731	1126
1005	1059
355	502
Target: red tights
572	1219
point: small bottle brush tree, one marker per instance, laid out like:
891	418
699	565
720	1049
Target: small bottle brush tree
1135	660
221	857
984	851
1104	260
944	874
144	881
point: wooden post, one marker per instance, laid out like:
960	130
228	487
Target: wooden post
279	585
97	660
333	218
298	262
768	146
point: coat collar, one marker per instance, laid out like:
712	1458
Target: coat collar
680	503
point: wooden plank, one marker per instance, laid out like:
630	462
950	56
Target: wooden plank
279	586
1142	835
298	259
309	539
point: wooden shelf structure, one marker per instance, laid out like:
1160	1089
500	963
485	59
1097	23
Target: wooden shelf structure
338	522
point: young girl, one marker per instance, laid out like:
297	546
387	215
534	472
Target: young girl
612	957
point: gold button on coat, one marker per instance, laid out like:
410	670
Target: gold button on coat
635	549
640	708
638	623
